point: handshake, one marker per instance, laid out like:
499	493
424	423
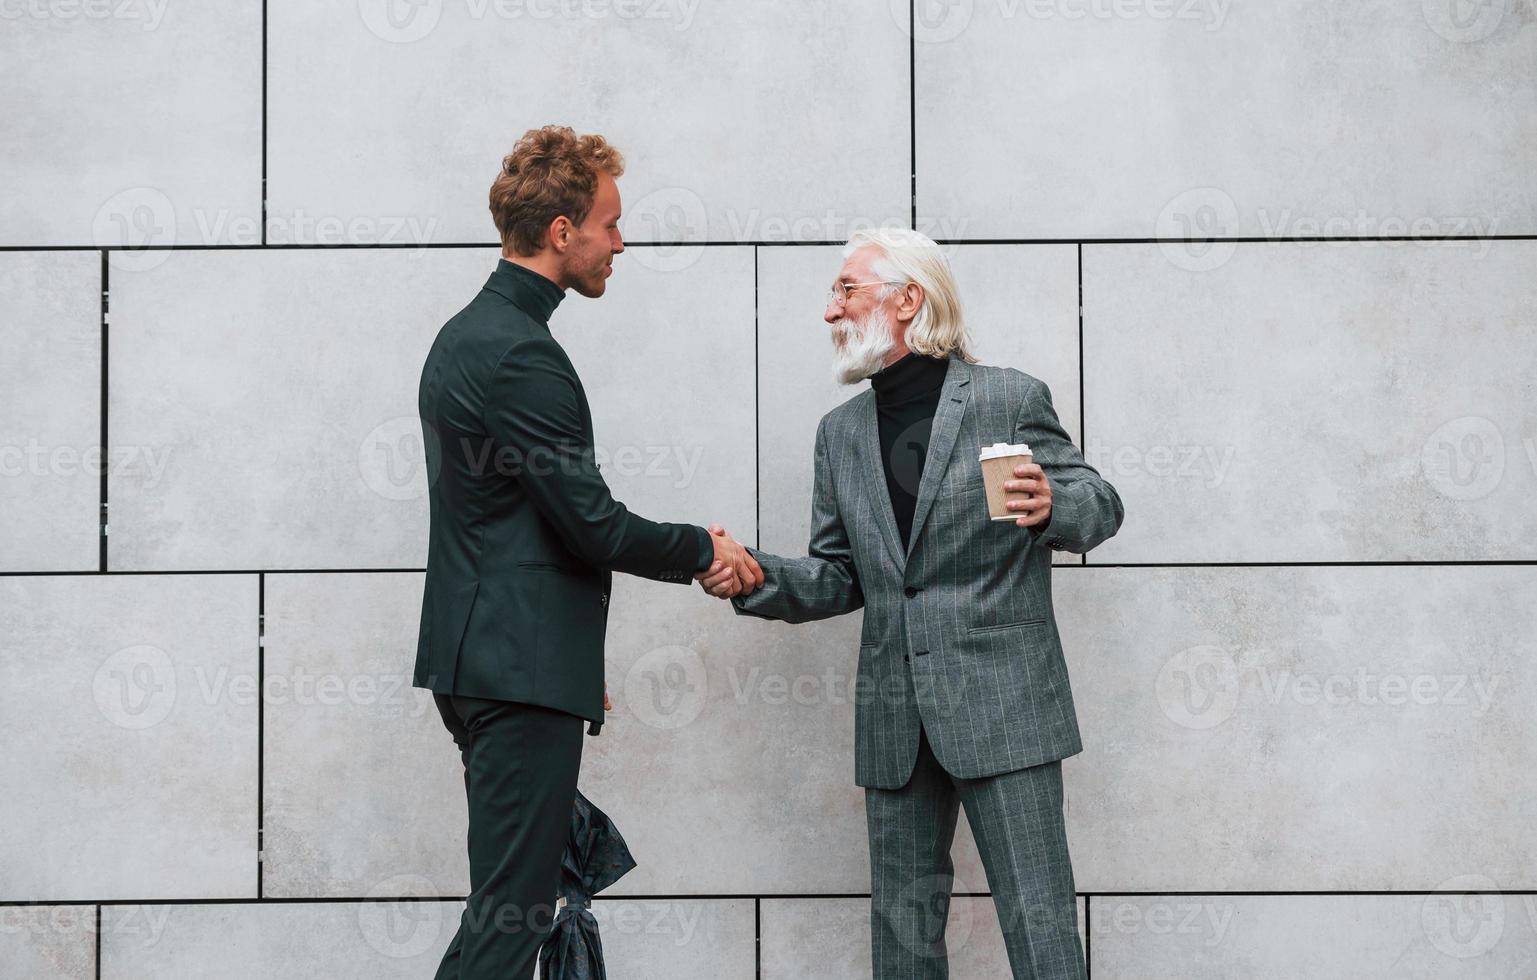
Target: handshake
734	572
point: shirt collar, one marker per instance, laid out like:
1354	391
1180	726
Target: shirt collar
526	289
909	376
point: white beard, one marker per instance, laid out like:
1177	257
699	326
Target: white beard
865	344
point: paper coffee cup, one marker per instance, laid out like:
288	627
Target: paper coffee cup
998	462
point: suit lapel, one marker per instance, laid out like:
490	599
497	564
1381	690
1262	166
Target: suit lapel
942	435
868	438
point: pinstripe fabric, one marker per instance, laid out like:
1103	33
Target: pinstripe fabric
1016	818
959	633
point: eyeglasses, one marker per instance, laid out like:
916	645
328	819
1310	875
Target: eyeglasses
839	292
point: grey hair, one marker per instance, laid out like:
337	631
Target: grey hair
903	256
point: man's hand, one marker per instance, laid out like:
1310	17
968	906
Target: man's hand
607	704
1031	479
734	571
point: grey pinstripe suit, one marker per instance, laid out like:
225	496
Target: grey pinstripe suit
960	647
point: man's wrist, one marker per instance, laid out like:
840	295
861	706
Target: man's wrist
707	550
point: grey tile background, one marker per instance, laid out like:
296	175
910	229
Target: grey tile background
132	124
50	305
49	942
130	712
1301	668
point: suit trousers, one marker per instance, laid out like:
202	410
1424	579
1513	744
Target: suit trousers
1016	818
520	768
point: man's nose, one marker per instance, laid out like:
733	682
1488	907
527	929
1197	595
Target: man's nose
833	313
617	244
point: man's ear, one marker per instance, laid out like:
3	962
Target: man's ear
911	299
561	233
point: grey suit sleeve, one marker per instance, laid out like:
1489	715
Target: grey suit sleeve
1085	509
821	585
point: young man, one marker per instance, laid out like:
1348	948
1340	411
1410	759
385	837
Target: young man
525	537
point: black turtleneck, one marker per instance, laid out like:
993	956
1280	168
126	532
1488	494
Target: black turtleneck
906	396
532	292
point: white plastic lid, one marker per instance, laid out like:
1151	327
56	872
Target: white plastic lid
998	449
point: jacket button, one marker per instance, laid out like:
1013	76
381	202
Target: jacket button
910	591
906	659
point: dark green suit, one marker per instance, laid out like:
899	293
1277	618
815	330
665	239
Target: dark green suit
524	539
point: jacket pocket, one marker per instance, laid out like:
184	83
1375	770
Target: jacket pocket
974	630
547	566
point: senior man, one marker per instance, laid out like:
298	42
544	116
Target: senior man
962	695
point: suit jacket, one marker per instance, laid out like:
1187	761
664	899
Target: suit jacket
959	632
524	534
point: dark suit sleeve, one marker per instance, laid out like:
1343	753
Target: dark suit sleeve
821	585
1085	509
533	412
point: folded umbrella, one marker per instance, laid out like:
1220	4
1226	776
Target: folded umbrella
595	857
